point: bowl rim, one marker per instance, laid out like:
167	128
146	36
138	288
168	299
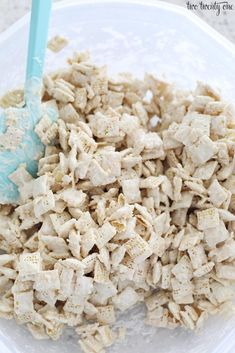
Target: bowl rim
213	33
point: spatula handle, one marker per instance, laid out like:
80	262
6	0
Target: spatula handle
39	23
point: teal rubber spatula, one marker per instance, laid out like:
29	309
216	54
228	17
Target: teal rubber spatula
19	144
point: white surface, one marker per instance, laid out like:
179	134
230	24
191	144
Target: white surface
138	38
12	10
